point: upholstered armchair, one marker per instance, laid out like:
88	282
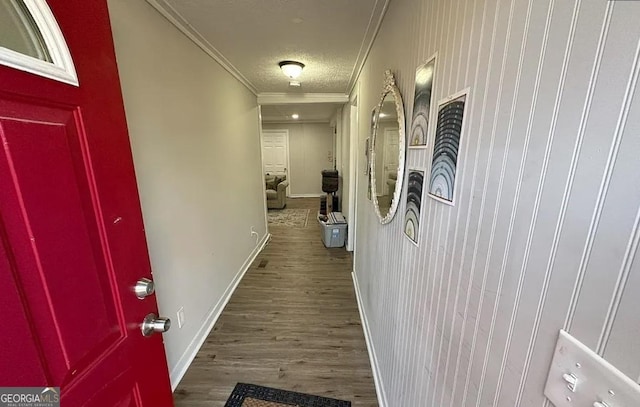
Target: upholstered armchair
391	182
276	187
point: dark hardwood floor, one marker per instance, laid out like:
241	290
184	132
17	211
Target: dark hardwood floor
292	324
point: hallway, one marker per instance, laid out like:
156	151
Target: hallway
293	325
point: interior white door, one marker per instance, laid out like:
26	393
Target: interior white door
391	150
275	152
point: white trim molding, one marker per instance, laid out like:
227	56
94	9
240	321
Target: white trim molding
61	67
187	29
306	195
367	42
373	359
278	98
354	165
178	371
272	120
287	170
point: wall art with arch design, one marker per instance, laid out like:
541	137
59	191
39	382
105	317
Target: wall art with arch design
446	145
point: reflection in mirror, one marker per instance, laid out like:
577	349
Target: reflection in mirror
387	161
386	154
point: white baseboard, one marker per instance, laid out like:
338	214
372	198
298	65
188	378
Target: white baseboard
190	353
306	195
373	359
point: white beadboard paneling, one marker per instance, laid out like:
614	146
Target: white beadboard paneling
616	204
469	150
620	347
491	289
538	88
487	88
535	326
622	350
514	152
544	206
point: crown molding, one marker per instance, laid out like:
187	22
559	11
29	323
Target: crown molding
175	18
369	37
267	120
353	95
276	98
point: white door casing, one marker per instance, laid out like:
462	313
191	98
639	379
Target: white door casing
354	165
275	153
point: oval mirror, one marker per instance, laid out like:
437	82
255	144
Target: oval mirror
387	151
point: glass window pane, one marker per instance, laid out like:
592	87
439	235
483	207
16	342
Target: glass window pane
18	30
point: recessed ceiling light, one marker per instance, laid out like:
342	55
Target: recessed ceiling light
294	116
294	83
292	69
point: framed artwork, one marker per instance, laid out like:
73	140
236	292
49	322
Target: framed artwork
444	163
412	211
422	101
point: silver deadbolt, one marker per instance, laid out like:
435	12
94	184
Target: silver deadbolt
152	324
144	288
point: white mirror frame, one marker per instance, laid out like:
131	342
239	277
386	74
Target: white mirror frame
389	87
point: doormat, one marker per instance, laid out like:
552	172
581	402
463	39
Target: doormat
296	218
251	395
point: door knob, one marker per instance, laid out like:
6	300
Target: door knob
152	324
144	288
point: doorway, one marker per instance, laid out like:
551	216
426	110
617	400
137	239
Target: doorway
275	153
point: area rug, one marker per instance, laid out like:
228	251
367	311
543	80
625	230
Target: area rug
251	395
296	218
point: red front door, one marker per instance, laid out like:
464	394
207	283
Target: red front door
72	243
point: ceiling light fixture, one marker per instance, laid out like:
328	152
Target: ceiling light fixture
294	116
292	69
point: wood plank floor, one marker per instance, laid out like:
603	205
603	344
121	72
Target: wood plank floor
293	325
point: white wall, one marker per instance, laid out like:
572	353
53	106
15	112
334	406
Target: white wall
195	136
310	152
545	230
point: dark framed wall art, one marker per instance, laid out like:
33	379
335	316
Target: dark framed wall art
446	145
413	207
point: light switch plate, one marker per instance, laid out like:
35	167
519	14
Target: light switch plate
597	380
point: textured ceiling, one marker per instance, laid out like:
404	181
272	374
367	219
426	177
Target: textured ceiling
330	37
308	112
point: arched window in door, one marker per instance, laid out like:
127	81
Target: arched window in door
31	41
